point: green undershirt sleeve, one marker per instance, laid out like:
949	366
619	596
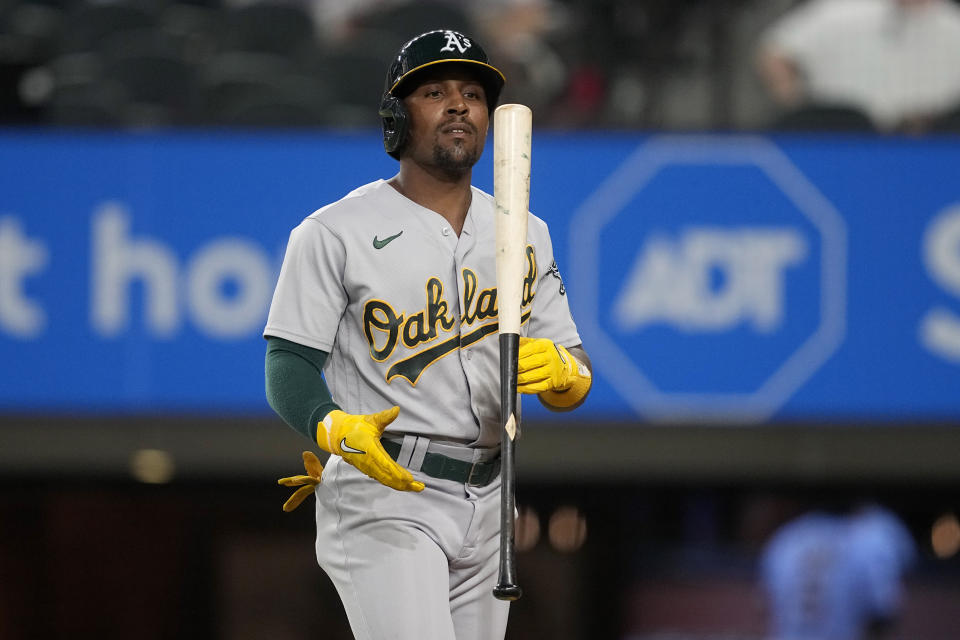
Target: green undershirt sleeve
295	386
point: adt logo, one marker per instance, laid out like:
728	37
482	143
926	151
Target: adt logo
711	278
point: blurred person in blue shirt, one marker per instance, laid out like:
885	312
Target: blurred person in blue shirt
832	576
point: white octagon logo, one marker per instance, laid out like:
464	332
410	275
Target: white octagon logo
612	198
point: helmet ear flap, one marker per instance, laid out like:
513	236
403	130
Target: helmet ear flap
393	119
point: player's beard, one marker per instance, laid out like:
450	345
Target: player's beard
455	159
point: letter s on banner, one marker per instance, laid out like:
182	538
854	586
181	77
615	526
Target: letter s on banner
940	327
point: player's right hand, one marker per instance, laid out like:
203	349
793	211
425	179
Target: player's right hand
356	438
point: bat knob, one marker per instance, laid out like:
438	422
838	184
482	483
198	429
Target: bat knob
509	592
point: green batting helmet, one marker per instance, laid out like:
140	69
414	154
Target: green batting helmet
442	46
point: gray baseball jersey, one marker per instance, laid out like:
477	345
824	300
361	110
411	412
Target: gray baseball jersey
407	310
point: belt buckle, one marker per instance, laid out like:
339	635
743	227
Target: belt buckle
479	482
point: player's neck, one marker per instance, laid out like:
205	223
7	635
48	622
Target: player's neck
450	198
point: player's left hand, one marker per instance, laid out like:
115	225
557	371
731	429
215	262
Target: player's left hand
548	369
306	483
544	366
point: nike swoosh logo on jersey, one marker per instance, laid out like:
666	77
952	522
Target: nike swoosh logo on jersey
380	244
347	448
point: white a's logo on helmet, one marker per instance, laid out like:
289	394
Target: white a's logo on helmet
454	39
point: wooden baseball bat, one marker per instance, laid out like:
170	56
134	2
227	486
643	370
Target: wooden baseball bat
512	128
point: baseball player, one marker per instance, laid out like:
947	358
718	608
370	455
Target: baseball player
836	576
382	349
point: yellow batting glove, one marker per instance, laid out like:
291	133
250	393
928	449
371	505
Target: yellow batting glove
357	440
306	483
548	369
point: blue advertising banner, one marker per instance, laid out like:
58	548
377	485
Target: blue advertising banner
713	278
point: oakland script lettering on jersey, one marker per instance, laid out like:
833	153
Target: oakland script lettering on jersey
381	320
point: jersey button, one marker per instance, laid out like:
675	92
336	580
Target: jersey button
445	231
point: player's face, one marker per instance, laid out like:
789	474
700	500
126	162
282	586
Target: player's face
448	121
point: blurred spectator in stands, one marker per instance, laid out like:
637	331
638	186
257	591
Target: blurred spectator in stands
521	34
336	20
836	576
896	61
516	32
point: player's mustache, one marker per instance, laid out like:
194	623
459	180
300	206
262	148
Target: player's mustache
460	122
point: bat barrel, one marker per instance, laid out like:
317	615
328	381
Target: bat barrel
511	183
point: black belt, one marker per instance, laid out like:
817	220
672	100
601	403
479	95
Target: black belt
435	465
